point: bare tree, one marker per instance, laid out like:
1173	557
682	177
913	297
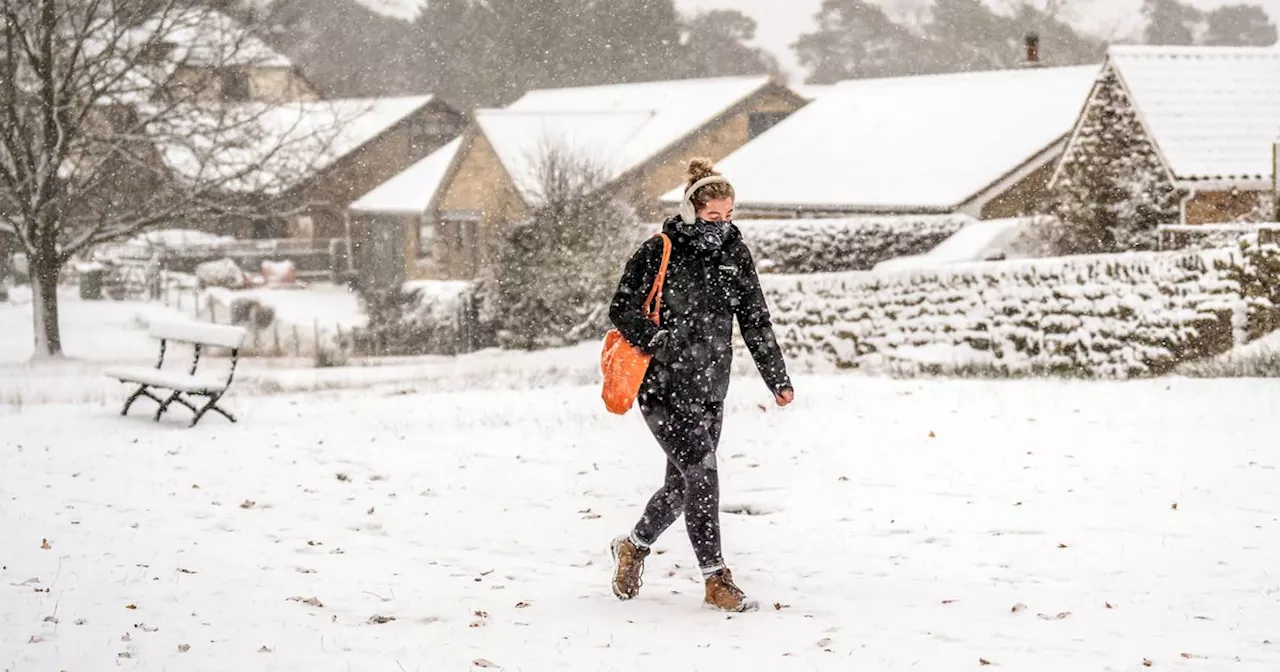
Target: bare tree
120	115
557	267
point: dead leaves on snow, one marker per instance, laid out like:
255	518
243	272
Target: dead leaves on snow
45	545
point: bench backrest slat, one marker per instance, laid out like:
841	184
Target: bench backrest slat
199	332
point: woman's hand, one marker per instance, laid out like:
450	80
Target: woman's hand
785	397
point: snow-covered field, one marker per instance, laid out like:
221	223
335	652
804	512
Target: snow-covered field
896	525
454	513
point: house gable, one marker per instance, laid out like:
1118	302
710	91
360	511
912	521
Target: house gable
379	159
724	135
1110	83
474	202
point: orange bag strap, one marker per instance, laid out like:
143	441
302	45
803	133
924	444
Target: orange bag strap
655	294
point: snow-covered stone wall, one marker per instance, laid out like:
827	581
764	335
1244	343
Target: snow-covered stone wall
1104	316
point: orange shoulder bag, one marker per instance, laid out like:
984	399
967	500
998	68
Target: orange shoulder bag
624	365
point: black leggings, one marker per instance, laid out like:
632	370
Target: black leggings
688	434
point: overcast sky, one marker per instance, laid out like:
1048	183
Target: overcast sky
782	21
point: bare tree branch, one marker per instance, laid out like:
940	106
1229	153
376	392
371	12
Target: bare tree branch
114	119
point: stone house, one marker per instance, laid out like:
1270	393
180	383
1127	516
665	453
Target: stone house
640	137
1211	114
317	157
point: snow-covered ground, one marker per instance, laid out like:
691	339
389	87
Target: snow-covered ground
895	525
454	513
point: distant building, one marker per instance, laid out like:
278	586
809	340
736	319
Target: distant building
213	56
444	220
393	217
1212	115
980	143
320	155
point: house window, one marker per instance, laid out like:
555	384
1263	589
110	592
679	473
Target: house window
304	227
235	85
460	233
427	239
759	122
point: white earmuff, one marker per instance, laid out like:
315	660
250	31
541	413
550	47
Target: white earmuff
687	213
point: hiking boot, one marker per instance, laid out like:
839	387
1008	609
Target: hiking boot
724	594
628	567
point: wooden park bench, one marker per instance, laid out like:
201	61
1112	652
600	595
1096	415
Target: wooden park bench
184	385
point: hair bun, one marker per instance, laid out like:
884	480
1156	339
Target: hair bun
700	168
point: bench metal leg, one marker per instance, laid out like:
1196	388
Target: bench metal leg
164	405
212	405
140	392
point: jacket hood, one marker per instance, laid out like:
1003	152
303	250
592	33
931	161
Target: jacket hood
671	227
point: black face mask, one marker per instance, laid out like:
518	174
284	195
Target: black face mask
705	235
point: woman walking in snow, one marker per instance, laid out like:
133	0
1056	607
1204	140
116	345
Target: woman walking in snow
710	279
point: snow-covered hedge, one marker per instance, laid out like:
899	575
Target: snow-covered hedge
1106	316
793	246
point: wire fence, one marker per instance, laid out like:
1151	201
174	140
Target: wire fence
329	343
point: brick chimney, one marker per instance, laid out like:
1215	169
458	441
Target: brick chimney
1032	41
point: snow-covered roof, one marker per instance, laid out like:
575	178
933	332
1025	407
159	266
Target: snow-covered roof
266	148
204	37
1214	112
975	241
410	192
927	143
618	126
813	91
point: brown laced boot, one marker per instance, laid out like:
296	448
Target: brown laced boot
628	567
724	594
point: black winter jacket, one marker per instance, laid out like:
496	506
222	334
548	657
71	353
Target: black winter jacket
703	292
